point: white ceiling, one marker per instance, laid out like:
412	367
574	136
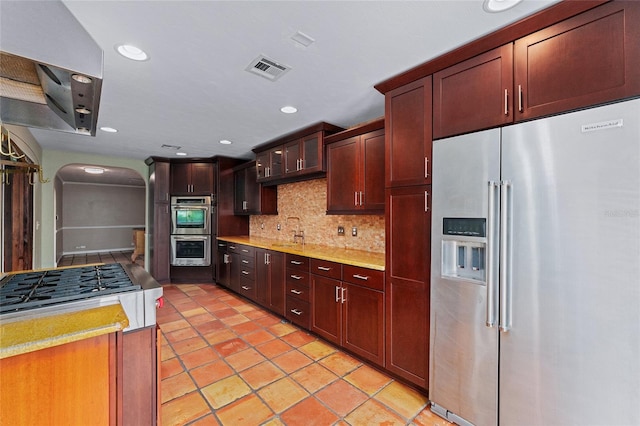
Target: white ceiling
194	90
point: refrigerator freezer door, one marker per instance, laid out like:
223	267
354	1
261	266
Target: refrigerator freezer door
464	351
572	354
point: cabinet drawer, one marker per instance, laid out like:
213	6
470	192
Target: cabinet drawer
247	250
247	288
326	268
364	277
298	312
247	261
297	278
298	290
300	263
247	274
233	248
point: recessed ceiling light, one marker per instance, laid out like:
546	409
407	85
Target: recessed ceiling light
181	154
108	129
94	170
494	6
289	109
132	52
302	38
225	142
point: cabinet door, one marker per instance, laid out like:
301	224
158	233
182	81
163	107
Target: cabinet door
262	165
202	178
408	260
475	94
252	191
372	171
235	272
161	181
342	175
262	277
292	158
326	309
589	59
180	178
312	153
239	188
408	121
363	322
223	264
275	161
276	282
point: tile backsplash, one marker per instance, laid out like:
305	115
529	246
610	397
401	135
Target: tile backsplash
307	201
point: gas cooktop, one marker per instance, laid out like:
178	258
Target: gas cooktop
29	290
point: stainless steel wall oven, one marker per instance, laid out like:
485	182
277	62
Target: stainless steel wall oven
191	250
191	215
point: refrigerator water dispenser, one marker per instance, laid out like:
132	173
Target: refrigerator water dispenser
464	246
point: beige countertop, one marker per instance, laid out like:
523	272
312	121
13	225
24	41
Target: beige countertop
365	259
35	332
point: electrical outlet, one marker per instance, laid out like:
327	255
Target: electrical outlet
262	225
341	231
354	231
278	227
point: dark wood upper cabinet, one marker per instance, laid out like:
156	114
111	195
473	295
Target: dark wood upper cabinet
192	179
304	156
250	197
355	170
408	115
269	164
474	94
586	60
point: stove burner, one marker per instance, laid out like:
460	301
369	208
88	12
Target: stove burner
35	289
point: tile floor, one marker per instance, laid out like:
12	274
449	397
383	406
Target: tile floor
226	361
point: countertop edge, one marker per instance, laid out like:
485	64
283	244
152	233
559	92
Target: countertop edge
312	251
33	334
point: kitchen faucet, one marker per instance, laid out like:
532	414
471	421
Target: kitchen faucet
297	233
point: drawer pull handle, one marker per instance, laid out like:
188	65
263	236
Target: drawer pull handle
295	311
294	291
295	262
324	268
245	272
296	277
360	277
232	247
245	261
245	250
244	287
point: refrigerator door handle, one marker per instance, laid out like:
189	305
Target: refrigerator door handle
505	255
491	248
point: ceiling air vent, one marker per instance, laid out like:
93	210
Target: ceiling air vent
267	68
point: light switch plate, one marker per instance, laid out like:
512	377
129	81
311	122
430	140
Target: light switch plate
341	230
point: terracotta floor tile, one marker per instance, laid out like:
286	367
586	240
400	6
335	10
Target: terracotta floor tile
247	411
262	374
174	325
215	306
209	420
225	391
230	347
253	315
317	350
220	336
314	377
309	412
373	413
166	352
170	367
211	372
234	320
193	312
199	357
242	360
210	327
245	327
184	409
282	394
201	319
291	361
245	308
402	399
258	337
168	317
281	329
367	379
178	385
341	397
188	345
185	306
340	363
225	312
268	320
298	338
182	334
428	418
273	348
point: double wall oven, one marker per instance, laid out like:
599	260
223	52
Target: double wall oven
192	219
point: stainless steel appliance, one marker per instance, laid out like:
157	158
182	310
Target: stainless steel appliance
191	215
191	250
51	291
535	291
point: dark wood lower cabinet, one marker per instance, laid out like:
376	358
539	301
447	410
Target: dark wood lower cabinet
363	322
270	280
326	316
140	396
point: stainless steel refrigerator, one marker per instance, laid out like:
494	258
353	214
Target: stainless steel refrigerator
535	285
